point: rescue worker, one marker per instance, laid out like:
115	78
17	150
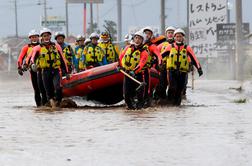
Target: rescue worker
177	67
133	60
39	90
67	51
93	54
48	56
160	90
127	39
87	41
111	52
169	33
79	53
154	59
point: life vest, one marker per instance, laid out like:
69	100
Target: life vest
93	54
109	51
178	60
79	52
131	59
68	54
150	57
164	45
48	57
30	47
158	40
82	63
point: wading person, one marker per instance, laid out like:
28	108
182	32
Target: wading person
160	90
93	54
36	78
48	57
177	66
109	49
67	51
133	60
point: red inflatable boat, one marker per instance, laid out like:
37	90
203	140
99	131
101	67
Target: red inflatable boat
103	84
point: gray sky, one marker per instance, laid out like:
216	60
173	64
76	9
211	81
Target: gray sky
135	13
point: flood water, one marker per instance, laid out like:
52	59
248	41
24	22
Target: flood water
209	129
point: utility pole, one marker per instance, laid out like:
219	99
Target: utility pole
162	5
66	5
188	28
119	20
45	13
97	15
16	19
91	16
239	51
178	13
228	11
84	18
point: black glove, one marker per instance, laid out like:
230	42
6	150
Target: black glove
68	76
20	71
200	72
25	67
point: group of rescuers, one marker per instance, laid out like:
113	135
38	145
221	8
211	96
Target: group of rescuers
49	61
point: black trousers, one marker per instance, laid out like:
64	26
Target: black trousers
38	87
51	80
146	79
177	81
41	87
134	98
160	90
35	85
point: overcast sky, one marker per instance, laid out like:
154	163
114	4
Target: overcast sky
135	13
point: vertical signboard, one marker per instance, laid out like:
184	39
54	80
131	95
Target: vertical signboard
203	17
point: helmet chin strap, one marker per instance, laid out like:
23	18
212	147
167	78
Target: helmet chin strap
179	42
46	41
34	42
137	45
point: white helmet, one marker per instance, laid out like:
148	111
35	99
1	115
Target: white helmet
179	30
59	34
80	37
87	41
127	37
148	28
45	30
140	33
94	35
170	28
33	32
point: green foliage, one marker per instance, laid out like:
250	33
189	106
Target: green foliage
95	28
110	26
240	101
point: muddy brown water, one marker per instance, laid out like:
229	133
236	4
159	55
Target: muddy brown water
209	129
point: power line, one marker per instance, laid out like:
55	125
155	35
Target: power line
108	11
134	13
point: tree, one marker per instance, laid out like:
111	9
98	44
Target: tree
95	28
110	26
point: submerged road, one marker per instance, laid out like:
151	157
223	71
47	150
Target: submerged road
213	127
